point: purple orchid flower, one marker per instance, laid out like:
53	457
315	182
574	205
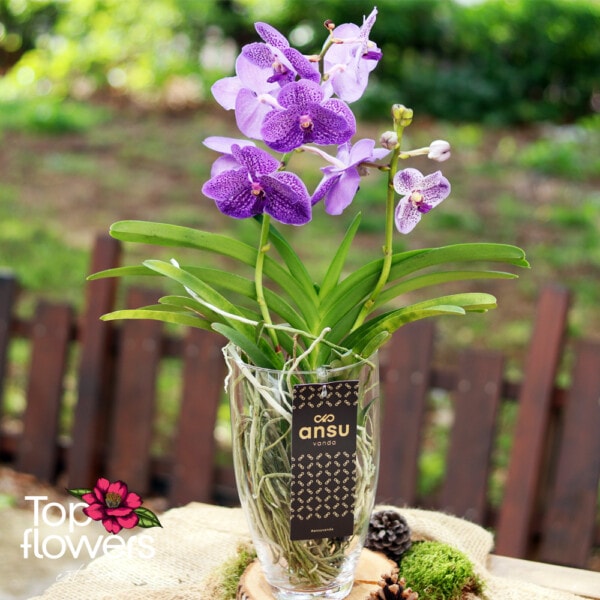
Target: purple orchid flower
342	178
420	195
224	145
249	93
348	63
277	58
256	186
303	116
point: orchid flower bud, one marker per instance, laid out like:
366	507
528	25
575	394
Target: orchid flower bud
402	115
389	139
439	150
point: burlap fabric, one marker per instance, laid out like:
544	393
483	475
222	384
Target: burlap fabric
196	539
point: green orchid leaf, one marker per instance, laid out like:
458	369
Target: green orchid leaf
403	264
255	353
162	234
434	279
132	271
235	283
336	266
146	517
292	260
186	303
357	286
392	320
375	342
159	314
216	302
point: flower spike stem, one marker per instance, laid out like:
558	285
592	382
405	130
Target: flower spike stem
263	247
402	119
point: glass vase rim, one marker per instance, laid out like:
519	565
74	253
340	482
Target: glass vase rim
316	371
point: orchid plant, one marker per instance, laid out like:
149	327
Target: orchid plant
286	103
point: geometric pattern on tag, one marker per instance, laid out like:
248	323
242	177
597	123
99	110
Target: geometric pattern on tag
323	485
337	393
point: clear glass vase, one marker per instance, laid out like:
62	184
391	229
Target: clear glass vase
303	466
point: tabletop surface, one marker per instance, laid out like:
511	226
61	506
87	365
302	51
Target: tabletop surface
184	558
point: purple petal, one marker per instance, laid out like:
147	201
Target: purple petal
407	180
342	194
281	130
271	36
232	194
435	194
223	144
328	127
287	199
300	94
256	160
302	66
258	54
224	163
253	77
250	113
324	186
362	151
341	111
368	23
407	216
225	91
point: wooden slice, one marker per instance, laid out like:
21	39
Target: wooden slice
371	566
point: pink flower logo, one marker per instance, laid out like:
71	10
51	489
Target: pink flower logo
114	505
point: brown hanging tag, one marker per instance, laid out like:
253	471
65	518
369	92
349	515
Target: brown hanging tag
323	459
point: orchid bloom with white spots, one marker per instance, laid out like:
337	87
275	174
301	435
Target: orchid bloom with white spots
419	195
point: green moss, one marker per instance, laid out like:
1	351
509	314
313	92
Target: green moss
231	572
439	572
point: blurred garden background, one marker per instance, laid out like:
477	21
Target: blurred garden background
104	105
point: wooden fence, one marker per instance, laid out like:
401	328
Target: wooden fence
549	505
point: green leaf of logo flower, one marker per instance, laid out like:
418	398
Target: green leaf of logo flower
79	492
147	518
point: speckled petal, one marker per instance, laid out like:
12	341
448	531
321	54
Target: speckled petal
287	199
324	186
300	94
271	36
281	130
256	160
435	194
231	192
407	180
258	54
407	216
329	126
302	66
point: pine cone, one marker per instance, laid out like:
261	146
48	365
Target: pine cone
392	588
388	533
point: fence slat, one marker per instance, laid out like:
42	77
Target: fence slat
569	525
94	375
527	455
405	385
8	294
476	403
193	475
132	419
38	447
